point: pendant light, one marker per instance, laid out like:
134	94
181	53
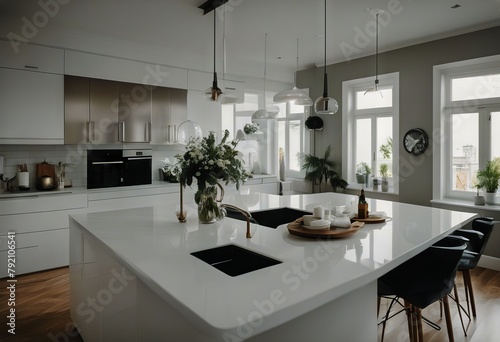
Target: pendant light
376	11
262	113
300	96
325	104
213	93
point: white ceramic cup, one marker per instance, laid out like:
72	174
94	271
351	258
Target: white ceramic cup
307	219
319	212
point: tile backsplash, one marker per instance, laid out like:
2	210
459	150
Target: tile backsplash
76	155
31	155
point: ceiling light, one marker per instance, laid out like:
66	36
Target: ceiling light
295	94
376	11
263	113
325	104
214	92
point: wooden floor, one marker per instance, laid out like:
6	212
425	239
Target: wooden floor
42	308
42	311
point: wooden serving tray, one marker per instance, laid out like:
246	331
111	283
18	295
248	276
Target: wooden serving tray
375	219
296	228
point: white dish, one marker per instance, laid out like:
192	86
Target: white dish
318	225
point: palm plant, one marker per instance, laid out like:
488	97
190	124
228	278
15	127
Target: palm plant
489	177
322	169
384	170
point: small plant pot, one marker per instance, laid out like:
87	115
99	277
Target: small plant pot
490	197
479	200
385	186
375	183
360	179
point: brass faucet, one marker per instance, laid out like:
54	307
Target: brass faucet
247	215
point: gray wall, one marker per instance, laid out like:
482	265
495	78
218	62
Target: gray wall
415	66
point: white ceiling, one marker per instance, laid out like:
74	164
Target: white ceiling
181	32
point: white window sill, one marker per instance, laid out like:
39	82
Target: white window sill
465	204
356	186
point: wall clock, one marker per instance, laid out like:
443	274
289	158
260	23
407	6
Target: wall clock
416	141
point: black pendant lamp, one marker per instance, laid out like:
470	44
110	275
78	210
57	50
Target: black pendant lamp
376	11
325	104
213	93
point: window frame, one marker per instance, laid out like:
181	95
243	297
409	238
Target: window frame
350	114
444	108
304	133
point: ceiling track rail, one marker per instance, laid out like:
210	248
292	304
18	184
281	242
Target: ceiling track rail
210	5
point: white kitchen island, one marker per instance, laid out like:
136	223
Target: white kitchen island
132	277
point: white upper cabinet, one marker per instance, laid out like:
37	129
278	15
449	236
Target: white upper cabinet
123	70
31	95
31	57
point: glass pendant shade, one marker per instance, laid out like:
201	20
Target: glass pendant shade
304	102
188	130
260	114
272	112
295	94
291	95
326	105
214	92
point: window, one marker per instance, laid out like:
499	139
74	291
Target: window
291	137
468	115
370	122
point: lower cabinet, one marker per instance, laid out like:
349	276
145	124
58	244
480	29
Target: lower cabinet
41	228
103	293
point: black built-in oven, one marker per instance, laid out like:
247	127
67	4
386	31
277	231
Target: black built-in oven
104	168
112	168
137	169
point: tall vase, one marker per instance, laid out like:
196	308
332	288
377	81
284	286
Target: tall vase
209	210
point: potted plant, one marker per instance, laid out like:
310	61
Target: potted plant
322	169
478	200
488	179
250	128
170	173
363	171
384	172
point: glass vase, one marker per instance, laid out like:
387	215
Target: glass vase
209	210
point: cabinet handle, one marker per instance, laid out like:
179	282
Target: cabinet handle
31	67
147	132
90	131
230	88
121	131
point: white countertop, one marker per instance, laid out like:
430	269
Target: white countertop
156	247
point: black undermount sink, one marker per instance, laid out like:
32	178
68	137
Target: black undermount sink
234	260
271	218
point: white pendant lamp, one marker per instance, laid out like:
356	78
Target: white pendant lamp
262	113
214	92
300	96
376	11
325	104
